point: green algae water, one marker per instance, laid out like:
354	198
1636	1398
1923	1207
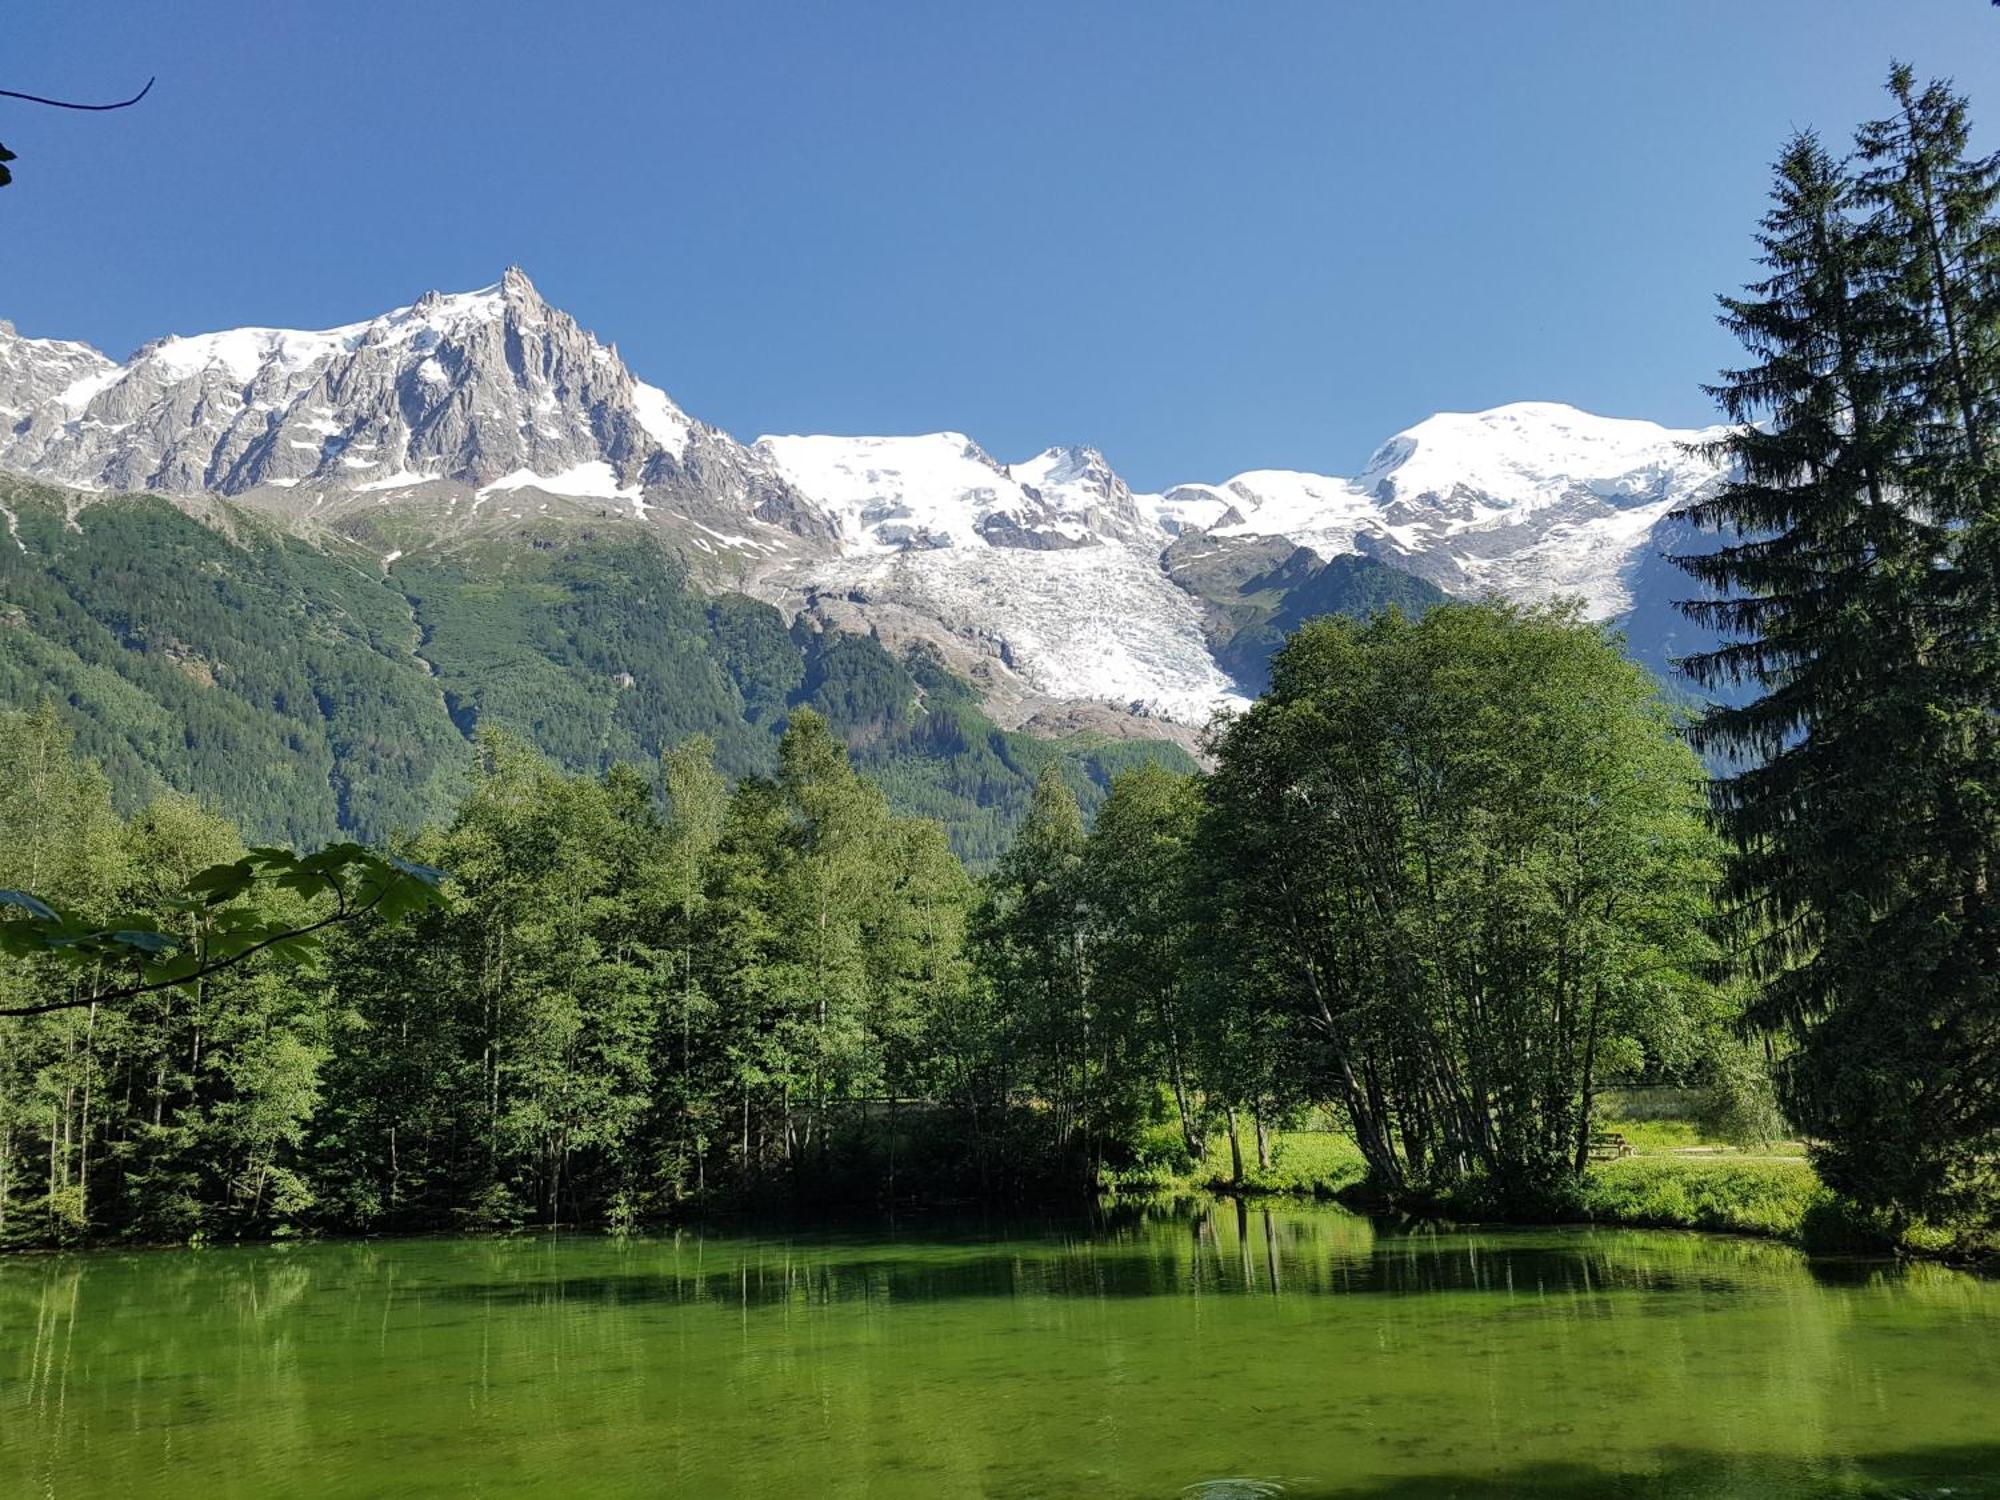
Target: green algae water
1175	1352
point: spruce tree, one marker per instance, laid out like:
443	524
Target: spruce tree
1932	204
1816	581
1845	793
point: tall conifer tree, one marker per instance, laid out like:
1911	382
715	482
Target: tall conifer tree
1850	798
1932	204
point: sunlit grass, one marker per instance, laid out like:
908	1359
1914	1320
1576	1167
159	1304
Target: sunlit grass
1656	1137
1769	1191
1733	1194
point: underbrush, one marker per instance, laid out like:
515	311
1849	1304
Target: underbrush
1305	1163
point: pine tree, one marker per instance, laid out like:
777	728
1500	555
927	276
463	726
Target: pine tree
1845	797
1921	1118
1819	577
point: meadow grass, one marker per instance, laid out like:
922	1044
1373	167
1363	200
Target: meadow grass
1305	1163
1739	1195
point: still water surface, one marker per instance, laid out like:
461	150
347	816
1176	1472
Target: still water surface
1237	1352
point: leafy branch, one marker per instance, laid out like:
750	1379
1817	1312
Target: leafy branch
225	930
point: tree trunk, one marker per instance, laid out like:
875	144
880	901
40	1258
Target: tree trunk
1588	1093
83	1126
1263	1140
1235	1146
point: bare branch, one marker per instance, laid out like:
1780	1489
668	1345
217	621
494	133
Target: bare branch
66	104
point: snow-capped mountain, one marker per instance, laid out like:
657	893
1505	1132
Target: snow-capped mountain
1100	593
1530	501
493	391
1047	566
1047	580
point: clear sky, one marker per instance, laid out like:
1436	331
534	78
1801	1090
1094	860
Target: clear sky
1204	237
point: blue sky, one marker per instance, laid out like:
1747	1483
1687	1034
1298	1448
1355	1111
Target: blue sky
1204	237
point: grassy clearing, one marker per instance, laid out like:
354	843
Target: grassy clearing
1308	1162
1652	1137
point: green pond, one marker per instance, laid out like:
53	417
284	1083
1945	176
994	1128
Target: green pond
1149	1352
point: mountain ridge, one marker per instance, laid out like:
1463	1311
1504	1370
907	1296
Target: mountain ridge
1047	581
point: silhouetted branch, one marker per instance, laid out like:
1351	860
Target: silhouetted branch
66	104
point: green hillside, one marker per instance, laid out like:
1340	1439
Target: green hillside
306	692
1261	589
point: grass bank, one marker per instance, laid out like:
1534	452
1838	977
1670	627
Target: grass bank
1774	1196
1675	1179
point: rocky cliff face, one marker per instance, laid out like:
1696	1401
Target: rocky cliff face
33	371
492	390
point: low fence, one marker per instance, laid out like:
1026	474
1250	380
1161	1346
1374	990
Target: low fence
1650	1101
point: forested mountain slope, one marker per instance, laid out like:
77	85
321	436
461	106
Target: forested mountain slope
308	689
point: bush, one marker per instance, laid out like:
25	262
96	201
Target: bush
1739	1105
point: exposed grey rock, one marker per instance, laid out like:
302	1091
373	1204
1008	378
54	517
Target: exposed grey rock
1046	581
486	388
34	372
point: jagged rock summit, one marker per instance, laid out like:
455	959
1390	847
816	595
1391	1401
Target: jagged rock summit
493	391
473	386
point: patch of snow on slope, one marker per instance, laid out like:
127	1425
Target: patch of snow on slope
79	393
1527	454
1099	623
400	481
240	352
657	413
590	481
1186	507
1531	501
243	352
1325	514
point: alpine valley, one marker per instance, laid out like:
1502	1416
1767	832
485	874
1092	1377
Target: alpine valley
294	572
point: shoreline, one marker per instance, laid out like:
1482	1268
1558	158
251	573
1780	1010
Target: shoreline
1775	1198
1772	1197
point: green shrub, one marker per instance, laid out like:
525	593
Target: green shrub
1739	1105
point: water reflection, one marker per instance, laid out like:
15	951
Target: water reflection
1220	1349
